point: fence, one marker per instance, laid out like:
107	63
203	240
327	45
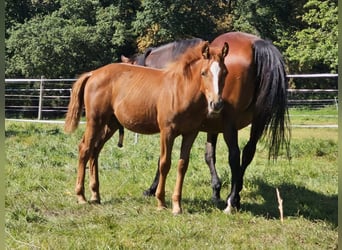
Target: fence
34	98
49	98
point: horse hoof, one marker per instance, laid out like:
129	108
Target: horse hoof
81	199
216	200
230	209
148	192
177	212
120	145
95	202
161	208
82	202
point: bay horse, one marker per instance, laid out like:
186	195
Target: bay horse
255	92
172	102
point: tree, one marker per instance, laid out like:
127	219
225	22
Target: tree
79	36
19	11
314	48
164	21
269	19
67	37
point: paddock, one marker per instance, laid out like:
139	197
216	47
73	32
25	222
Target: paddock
41	211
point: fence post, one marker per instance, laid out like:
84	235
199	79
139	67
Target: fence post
135	138
41	88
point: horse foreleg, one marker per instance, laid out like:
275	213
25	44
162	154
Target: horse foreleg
233	200
210	159
183	163
166	144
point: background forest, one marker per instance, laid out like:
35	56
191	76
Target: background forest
63	38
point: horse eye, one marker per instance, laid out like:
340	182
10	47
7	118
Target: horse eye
203	73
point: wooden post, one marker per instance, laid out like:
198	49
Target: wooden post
41	89
280	203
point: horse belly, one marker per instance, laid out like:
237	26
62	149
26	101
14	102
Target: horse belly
140	126
137	119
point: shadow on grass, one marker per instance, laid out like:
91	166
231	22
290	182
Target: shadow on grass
297	201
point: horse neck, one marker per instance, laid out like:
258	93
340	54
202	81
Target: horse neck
188	85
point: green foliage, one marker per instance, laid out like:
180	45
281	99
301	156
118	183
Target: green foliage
56	47
164	21
78	37
20	11
151	24
67	37
314	48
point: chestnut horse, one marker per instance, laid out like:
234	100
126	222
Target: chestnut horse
255	92
172	102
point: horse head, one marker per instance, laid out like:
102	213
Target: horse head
213	73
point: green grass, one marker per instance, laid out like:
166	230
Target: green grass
327	115
41	209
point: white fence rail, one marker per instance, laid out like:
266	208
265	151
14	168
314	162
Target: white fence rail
35	97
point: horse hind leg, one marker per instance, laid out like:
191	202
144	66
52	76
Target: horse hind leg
233	200
94	184
86	151
82	162
210	159
90	146
231	139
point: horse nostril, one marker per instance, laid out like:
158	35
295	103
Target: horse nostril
217	106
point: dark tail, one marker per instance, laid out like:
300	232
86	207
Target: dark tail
76	104
271	99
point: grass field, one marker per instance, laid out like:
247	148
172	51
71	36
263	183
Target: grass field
41	209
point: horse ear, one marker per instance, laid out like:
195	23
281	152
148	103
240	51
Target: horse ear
225	50
205	50
125	59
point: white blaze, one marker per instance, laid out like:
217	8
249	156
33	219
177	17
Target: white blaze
215	70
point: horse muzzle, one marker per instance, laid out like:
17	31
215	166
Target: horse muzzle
215	106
